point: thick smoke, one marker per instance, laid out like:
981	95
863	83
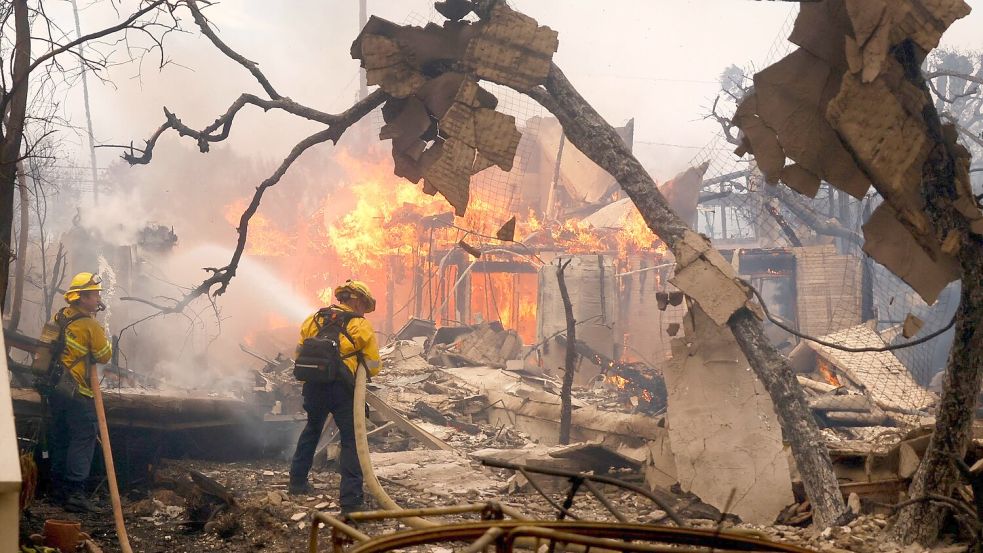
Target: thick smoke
201	198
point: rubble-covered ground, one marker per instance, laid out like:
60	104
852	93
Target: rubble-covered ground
194	505
266	518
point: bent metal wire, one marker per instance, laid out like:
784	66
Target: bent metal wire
506	535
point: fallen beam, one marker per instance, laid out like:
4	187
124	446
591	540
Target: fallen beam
847	418
427	439
855	403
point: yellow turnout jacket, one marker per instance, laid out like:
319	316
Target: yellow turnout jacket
85	344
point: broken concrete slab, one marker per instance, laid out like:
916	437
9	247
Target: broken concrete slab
442	473
596	457
724	431
703	274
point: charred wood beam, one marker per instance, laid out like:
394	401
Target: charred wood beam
783	224
593	136
704	198
570	359
827	227
728	177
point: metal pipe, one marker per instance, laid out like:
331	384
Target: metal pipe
419	512
336	525
484	541
560	508
596	478
470	531
610	544
605	501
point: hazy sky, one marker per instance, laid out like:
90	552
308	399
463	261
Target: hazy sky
654	60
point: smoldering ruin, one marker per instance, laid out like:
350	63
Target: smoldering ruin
774	349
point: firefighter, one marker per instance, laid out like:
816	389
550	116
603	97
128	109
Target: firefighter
320	399
74	425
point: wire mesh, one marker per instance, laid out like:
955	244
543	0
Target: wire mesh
841	294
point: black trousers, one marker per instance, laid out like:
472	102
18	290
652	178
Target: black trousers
320	400
72	439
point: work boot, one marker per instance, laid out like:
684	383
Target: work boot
79	503
58	491
347	509
300	488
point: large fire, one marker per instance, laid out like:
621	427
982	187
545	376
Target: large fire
381	229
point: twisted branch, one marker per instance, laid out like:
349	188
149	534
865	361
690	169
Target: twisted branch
250	66
222	276
220	129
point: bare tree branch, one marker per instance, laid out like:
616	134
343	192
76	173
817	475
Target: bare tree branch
827	227
964	131
221	277
128	22
223	124
250	66
725	123
945	73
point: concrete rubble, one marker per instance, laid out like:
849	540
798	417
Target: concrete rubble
493	413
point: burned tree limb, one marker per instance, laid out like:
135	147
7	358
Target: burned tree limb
219	130
250	66
704	198
783	224
569	364
221	277
937	475
592	135
828	227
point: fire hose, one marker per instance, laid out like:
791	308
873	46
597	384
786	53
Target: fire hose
365	462
362	447
107	454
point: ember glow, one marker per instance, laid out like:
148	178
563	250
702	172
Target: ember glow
618	381
827	371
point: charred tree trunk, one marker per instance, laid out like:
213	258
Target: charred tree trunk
21	267
569	365
593	136
937	475
11	138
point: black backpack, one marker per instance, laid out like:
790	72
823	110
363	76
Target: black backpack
319	358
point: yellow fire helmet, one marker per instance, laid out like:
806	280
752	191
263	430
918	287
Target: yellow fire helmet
359	288
82	282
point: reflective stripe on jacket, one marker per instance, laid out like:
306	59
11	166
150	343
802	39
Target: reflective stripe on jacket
360	329
85	344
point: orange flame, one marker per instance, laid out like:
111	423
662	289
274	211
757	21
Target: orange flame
384	230
827	371
619	381
264	239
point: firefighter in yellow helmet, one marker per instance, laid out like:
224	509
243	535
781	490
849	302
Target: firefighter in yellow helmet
73	434
343	325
